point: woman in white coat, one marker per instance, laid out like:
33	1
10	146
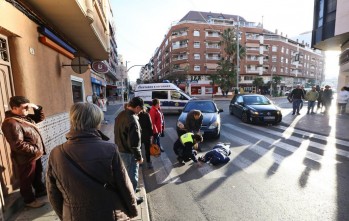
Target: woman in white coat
102	103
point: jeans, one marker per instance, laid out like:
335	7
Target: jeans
311	105
296	103
156	138
132	167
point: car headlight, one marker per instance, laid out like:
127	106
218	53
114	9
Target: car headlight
180	125
278	112
254	112
214	125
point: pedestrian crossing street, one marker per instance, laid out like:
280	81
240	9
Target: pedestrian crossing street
254	148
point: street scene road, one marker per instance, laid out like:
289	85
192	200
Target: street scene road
275	173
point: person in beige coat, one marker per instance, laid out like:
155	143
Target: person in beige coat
78	169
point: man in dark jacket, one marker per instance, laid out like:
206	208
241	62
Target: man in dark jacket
127	134
27	147
296	97
193	123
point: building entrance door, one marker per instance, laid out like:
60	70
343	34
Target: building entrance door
8	174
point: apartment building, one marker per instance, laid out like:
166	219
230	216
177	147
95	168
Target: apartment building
191	47
42	44
331	33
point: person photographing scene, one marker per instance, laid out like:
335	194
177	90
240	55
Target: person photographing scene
27	147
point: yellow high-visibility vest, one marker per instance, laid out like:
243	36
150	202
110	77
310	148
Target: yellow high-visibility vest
187	137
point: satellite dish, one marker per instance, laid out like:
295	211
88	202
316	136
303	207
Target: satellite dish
79	65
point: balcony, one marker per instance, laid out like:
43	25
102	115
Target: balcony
82	22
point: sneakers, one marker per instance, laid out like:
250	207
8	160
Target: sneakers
201	159
35	204
140	200
180	160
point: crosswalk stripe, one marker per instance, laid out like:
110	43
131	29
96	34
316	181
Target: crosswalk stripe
301	150
163	170
311	143
321	137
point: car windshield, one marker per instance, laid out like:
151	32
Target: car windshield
256	100
204	107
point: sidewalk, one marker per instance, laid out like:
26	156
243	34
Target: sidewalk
46	212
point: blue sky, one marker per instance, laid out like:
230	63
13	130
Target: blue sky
142	24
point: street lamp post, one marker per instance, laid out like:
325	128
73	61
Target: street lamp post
238	54
271	81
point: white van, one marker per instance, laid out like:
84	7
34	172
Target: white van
171	97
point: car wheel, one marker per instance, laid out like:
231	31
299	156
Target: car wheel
244	117
231	112
217	136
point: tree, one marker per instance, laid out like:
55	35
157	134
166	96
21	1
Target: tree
227	65
258	82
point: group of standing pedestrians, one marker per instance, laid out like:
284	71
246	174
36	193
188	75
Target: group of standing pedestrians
323	96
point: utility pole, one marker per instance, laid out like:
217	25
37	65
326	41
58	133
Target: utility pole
238	53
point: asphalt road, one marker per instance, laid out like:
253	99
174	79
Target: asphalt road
275	173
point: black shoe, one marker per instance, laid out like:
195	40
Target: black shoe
40	194
293	113
180	160
298	114
162	149
140	200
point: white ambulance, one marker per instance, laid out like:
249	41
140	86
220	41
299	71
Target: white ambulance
171	97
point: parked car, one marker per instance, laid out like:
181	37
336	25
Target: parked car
255	108
287	92
211	124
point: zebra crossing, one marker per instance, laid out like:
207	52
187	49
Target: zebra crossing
267	145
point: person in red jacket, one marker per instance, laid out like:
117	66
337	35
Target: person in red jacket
157	118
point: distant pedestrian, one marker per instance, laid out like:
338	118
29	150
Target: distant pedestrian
27	147
327	97
296	97
184	147
125	96
146	134
73	194
319	100
311	96
95	98
102	103
342	100
127	134
157	118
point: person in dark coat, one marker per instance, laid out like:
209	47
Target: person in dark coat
193	123
218	155
320	104
327	97
27	147
296	97
146	134
184	147
76	196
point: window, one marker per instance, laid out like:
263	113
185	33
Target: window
159	95
282	49
77	89
176	95
282	59
196	44
196	68
274	48
197	56
273	58
196	33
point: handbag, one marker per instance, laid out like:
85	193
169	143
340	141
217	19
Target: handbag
155	150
